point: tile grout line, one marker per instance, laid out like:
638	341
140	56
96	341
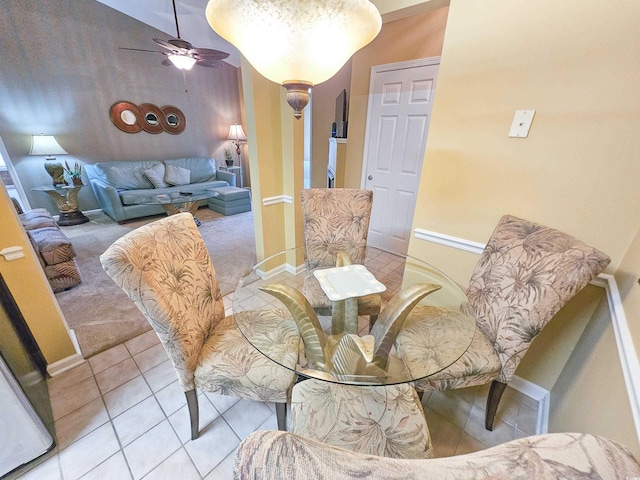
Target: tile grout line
110	420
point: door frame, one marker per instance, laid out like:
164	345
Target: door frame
376	69
17	186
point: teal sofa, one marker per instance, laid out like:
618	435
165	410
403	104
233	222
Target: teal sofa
116	184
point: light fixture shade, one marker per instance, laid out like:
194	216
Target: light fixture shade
289	41
45	145
236	133
182	62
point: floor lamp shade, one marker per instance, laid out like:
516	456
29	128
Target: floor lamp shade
236	133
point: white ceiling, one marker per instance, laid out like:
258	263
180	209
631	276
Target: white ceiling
191	20
195	29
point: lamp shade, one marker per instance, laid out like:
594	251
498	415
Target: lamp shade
295	42
236	133
45	145
288	40
183	62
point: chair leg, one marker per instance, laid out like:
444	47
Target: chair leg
192	405
493	399
281	415
372	320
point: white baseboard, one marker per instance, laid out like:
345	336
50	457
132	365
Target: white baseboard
537	393
278	199
266	274
626	350
56	368
449	241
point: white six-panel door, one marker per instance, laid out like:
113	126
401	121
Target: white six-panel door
400	101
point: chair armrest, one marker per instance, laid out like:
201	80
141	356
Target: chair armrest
228	177
108	199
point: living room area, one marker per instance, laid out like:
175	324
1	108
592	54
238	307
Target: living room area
70	65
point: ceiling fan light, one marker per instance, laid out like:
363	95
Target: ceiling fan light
295	41
183	62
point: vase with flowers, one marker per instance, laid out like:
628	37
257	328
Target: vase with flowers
74	175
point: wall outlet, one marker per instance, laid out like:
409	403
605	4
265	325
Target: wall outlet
521	123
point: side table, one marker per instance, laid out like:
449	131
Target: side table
236	170
66	198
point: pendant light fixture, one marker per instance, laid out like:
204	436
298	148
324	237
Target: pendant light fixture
296	43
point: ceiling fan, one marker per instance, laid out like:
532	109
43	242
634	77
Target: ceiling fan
183	54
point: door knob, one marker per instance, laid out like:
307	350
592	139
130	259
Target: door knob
370	177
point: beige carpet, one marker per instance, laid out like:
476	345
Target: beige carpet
100	313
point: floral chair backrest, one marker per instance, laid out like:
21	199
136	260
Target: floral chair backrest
526	273
335	219
165	268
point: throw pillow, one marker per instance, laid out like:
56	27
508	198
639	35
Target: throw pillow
155	175
177	175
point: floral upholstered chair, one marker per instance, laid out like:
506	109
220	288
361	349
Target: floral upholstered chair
385	420
165	268
271	455
525	274
336	220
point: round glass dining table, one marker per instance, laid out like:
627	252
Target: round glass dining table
381	319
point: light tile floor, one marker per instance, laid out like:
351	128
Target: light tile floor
122	415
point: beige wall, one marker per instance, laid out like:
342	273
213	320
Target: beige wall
30	288
265	146
590	396
275	145
575	63
323	115
571	61
627	276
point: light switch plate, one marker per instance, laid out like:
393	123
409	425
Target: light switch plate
521	123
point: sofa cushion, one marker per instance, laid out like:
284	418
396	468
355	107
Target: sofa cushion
125	175
174	175
63	275
202	169
53	245
36	218
155	175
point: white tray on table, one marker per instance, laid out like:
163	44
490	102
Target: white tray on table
347	282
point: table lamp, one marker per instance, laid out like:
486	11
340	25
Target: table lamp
47	145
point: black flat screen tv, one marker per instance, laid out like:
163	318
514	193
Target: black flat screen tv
341	115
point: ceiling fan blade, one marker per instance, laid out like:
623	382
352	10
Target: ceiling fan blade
140	50
209	63
180	43
208	53
169	46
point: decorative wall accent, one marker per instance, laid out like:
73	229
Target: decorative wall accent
131	118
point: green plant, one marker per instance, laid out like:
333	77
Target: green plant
74	172
227	155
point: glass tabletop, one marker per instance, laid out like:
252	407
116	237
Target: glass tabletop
183	196
57	188
351	315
